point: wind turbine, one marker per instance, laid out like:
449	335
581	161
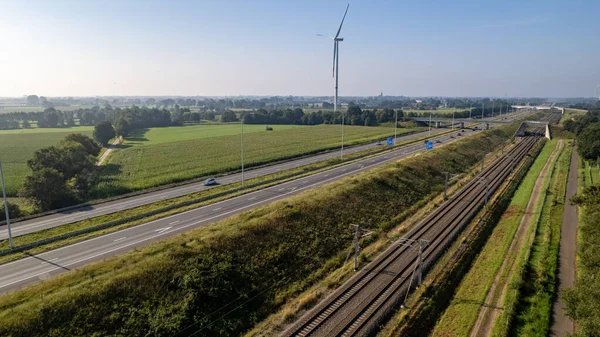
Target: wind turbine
336	53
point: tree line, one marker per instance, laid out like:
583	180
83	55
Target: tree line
583	300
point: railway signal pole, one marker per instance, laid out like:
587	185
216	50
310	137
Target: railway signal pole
357	237
447	177
10	240
487	188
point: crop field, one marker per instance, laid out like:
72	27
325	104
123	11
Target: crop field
167	155
39	108
18	146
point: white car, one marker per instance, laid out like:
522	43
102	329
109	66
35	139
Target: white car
210	181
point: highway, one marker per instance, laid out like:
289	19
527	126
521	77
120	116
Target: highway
17	274
91	211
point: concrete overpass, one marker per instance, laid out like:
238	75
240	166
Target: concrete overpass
461	121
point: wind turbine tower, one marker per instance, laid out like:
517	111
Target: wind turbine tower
336	52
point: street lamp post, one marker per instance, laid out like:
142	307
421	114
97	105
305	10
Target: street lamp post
470	110
429	124
10	240
395	126
243	183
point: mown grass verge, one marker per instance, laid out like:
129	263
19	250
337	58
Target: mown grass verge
461	314
45	240
429	302
505	319
533	312
247	265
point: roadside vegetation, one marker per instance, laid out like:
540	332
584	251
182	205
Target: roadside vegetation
224	278
462	313
583	300
534	288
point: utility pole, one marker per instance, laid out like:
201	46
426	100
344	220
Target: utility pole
447	178
452	120
243	152
10	240
357	237
422	243
482	160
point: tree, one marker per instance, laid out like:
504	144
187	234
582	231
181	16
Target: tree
46	189
589	142
88	143
122	127
13	211
26	124
229	116
33	100
103	132
86	118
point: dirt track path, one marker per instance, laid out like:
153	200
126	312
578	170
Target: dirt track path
490	310
108	151
561	324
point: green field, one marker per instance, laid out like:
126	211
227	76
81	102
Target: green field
39	108
18	146
165	155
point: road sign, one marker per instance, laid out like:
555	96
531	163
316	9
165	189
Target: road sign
429	145
390	141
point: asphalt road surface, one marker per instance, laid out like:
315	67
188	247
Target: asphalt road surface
17	274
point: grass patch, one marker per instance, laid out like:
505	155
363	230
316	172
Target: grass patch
139	167
538	288
253	262
18	146
202	198
461	314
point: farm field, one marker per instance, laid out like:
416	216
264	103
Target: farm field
18	146
39	108
167	155
155	136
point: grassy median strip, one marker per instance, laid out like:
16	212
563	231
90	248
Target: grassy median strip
135	216
461	314
538	288
249	264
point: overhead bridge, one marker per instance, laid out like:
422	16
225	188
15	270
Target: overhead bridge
462	121
523	131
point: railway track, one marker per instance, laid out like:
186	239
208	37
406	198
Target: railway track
356	307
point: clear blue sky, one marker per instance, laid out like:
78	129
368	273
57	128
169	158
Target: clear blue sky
446	48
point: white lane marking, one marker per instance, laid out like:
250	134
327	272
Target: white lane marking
119	239
156	235
160	230
54	259
327	175
216	209
174	222
252	198
175	215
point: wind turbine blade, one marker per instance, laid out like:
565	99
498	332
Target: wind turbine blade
341	24
334	53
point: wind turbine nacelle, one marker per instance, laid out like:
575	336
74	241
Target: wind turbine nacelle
339	39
